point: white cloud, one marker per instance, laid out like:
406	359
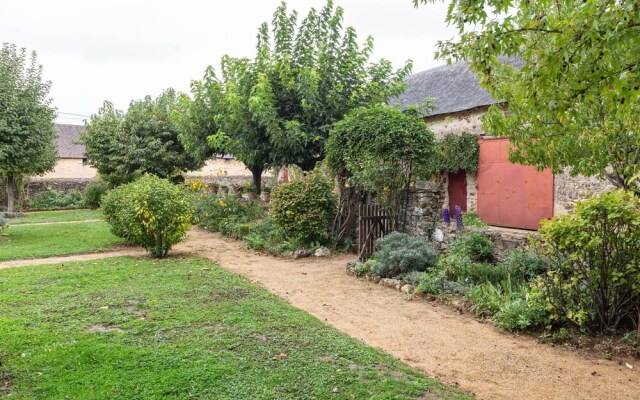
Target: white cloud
122	50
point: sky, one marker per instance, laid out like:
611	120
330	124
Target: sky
122	50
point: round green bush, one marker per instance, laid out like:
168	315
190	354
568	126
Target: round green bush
150	212
399	253
93	194
304	208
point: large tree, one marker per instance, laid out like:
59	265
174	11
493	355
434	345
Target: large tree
575	101
27	131
310	75
123	146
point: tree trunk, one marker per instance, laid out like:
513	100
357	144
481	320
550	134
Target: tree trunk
256	173
10	193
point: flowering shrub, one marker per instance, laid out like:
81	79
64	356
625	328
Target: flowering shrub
150	212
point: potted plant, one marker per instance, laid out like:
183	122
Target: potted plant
266	193
223	190
214	187
250	189
237	189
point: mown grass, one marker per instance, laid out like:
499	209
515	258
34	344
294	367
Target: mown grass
33	241
130	328
56	216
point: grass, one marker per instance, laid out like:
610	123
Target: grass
56	216
35	241
128	328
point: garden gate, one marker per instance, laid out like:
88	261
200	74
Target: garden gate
372	225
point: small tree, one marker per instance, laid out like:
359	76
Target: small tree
381	149
124	146
27	132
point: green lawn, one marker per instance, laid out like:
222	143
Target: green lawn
34	241
56	216
132	328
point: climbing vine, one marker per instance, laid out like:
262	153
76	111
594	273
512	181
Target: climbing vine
456	153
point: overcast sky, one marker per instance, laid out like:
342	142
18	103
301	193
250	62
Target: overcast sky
121	50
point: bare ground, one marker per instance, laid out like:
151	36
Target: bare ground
457	349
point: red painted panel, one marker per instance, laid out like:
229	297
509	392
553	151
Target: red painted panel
511	195
457	189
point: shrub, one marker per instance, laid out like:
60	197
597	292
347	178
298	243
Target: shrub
594	277
400	253
213	210
519	314
475	245
524	265
52	199
304	208
436	282
459	267
93	193
269	237
4	225
150	212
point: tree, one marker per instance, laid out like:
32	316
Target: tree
310	76
27	131
575	101
123	146
381	149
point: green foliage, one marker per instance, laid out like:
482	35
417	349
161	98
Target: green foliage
213	210
471	219
437	282
53	199
519	314
93	193
4	225
475	245
399	253
575	100
525	265
304	208
124	146
266	236
594	253
381	149
455	153
27	133
150	212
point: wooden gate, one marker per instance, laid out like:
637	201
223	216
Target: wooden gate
372	225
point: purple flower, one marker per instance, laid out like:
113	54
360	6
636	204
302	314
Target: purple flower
459	217
447	217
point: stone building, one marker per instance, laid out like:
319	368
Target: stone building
502	193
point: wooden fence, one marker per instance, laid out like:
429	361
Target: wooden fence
372	225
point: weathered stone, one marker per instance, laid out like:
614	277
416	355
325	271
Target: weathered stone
374	278
300	253
392	283
322	252
407	288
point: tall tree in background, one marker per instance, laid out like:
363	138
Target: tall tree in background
27	131
310	76
123	146
575	102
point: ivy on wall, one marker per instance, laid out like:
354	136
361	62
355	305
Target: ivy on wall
456	153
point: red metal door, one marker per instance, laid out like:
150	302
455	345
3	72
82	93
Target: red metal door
511	195
457	189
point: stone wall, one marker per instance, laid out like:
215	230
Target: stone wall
467	121
568	190
37	186
425	209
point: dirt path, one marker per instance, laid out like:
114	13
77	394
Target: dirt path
58	222
72	258
457	349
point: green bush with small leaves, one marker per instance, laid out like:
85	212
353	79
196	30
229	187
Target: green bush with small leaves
54	199
475	245
150	212
304	208
93	194
399	253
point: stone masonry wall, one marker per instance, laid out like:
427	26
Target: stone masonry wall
568	190
425	209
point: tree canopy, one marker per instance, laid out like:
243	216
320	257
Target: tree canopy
123	146
27	132
575	101
381	149
309	75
